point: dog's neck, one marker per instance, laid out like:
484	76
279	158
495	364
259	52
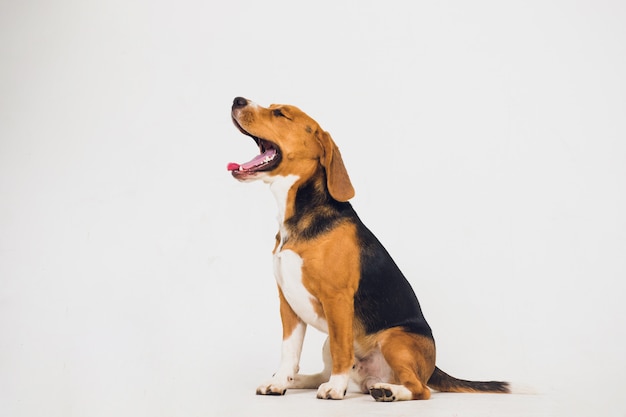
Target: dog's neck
283	187
305	208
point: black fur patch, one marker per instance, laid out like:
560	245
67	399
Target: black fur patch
316	212
385	298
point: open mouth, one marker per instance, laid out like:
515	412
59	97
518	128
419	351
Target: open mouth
269	156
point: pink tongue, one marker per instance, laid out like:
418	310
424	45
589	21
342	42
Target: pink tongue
256	161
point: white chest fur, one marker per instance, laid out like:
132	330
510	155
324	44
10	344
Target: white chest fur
280	187
288	273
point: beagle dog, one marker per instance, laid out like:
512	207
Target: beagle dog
334	274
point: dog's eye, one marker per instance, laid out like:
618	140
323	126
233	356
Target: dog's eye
279	113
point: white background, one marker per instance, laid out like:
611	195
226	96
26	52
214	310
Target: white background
486	141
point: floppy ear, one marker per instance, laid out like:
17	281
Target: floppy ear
337	179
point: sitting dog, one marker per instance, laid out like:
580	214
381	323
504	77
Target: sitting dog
334	274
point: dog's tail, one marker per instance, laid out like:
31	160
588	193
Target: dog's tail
443	382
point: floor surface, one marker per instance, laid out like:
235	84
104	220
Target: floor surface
303	403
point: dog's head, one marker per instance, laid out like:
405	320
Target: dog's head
290	143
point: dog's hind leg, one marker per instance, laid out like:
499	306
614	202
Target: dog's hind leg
313	381
411	357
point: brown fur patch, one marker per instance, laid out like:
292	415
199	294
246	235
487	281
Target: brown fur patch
302	141
330	272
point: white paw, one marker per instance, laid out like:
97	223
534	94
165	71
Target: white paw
382	392
334	389
272	387
389	392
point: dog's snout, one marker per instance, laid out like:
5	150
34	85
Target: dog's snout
239	102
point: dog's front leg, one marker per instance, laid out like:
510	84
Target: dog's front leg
294	330
339	315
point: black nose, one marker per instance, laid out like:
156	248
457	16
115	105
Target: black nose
239	102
